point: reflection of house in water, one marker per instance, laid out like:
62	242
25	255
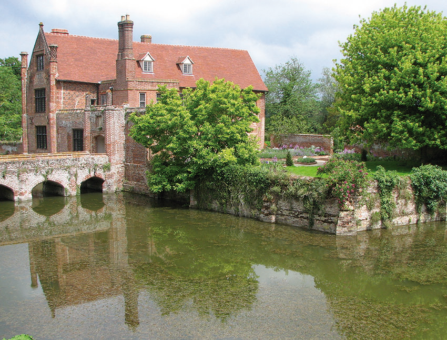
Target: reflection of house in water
79	269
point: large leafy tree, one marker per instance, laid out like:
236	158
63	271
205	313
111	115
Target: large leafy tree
292	101
393	85
15	64
194	134
10	104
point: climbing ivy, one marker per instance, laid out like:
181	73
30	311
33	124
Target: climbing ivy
386	182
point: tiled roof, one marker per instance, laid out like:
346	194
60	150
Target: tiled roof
93	60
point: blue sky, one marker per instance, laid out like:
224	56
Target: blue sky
271	31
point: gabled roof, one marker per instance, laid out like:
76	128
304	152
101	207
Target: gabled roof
181	60
86	59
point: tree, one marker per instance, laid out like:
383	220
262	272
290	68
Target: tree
393	84
327	89
10	105
15	64
292	101
192	135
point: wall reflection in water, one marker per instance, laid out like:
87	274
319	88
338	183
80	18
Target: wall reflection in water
96	247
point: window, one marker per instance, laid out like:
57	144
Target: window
40	62
142	99
147	66
158	97
92	101
187	69
146	62
78	140
41	137
103	99
40	100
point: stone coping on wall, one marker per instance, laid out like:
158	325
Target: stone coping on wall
9	158
331	218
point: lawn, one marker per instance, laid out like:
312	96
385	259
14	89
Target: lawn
399	166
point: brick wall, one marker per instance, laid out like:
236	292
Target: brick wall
323	141
66	121
11	148
71	95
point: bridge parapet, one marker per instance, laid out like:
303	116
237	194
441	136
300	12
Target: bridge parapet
22	174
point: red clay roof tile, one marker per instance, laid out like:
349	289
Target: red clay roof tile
93	60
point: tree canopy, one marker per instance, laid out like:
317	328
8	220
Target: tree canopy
15	64
197	132
392	79
10	104
292	101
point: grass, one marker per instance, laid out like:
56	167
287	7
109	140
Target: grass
402	168
399	166
310	171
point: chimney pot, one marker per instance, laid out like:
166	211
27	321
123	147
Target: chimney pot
127	17
59	30
146	38
122	18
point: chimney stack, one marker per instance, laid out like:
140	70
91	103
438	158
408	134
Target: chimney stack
146	39
125	38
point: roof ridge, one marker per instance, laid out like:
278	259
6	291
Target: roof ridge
217	48
139	42
79	36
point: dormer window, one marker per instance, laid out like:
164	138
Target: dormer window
147	66
185	64
146	62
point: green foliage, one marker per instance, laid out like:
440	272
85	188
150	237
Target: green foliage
289	160
292	101
106	167
386	182
429	184
21	337
309	160
392	79
194	136
234	184
345	179
14	64
327	89
10	105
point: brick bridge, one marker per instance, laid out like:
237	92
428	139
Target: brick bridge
62	174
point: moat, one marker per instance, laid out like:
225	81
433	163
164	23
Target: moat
123	266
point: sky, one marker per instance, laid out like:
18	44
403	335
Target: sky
271	31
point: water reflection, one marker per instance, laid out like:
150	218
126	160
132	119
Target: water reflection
7	209
92	201
381	284
48	206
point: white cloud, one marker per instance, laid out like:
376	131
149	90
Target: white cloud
271	31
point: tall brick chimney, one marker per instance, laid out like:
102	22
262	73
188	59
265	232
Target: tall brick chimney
125	61
125	38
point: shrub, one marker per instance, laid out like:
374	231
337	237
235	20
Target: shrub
289	160
309	160
345	179
429	184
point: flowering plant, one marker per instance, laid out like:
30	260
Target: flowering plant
345	179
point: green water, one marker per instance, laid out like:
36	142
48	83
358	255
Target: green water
127	267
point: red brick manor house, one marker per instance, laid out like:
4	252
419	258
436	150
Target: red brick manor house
77	91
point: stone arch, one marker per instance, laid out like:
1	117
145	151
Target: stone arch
92	184
48	188
6	193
